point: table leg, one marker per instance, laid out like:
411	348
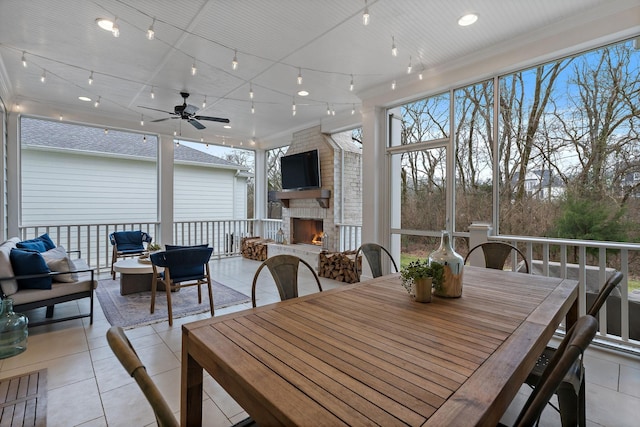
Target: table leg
191	388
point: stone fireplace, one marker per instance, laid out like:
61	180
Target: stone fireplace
312	212
307	231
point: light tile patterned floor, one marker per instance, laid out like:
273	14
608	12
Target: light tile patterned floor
88	387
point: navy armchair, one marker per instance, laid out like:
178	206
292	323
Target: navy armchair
182	267
127	244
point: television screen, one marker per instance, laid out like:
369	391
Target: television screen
300	171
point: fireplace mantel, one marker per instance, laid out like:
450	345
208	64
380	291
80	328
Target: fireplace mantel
321	195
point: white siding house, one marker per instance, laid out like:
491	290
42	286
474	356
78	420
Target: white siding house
74	174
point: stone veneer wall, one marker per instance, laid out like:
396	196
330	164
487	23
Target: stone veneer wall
332	150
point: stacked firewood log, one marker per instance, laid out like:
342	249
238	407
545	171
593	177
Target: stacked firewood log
339	266
254	248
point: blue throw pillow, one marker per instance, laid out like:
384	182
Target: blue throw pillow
26	263
44	239
174	247
32	245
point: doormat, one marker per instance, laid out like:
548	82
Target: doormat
132	310
23	399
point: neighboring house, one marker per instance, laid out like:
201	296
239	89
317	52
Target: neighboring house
632	179
74	174
541	184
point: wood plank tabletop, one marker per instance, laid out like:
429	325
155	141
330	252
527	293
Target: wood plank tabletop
366	354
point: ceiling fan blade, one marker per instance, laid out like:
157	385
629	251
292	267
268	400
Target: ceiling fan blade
190	109
196	124
155	109
212	119
162	120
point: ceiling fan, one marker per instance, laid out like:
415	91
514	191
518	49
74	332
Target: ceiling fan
187	112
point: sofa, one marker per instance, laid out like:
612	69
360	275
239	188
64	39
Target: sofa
36	273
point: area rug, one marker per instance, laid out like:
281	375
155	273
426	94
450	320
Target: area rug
132	310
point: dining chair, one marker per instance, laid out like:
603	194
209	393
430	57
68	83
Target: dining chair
568	354
571	391
124	351
126	354
127	244
183	267
284	270
373	253
496	254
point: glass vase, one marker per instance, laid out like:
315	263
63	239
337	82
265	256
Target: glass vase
453	263
13	330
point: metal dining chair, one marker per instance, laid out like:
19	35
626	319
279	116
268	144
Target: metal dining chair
571	390
284	270
373	253
496	254
124	351
568	354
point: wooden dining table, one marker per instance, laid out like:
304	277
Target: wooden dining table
367	354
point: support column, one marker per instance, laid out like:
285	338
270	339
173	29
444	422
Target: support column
479	232
165	190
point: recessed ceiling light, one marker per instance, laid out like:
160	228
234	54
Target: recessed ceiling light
105	24
84	98
303	93
467	19
227	126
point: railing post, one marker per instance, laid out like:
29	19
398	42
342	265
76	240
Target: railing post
479	232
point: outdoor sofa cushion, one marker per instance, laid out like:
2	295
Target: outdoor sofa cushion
24	263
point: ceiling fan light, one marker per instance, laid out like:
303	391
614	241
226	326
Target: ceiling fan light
468	19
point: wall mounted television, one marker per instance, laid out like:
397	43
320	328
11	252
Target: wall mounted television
300	171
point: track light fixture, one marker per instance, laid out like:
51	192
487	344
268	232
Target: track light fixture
24	60
153	94
250	91
151	34
204	103
299	75
253	108
194	69
351	84
293	107
91	78
234	63
394	49
97	103
365	14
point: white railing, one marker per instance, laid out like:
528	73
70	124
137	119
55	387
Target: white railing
349	237
590	262
92	240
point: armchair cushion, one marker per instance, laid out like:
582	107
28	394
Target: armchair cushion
128	241
183	264
174	247
26	263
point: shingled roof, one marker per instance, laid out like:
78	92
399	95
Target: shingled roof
60	135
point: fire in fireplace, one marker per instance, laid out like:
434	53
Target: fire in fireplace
306	231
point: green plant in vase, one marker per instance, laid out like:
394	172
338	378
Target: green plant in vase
153	247
421	269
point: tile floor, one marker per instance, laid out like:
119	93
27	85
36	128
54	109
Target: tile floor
88	387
